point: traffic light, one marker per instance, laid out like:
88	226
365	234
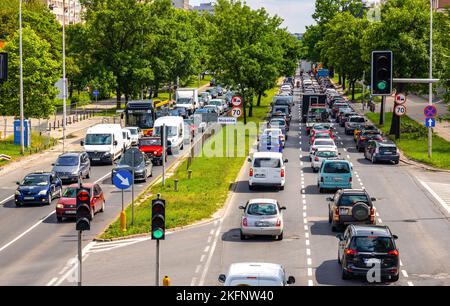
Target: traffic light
3	67
83	215
158	219
381	83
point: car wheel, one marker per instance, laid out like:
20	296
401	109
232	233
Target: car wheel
243	237
88	175
49	199
333	228
394	278
102	209
151	173
91	216
182	146
251	187
280	237
18	204
345	275
59	219
329	218
320	190
374	160
281	187
396	162
339	258
145	177
60	193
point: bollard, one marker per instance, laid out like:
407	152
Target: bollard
123	221
189	174
166	281
176	184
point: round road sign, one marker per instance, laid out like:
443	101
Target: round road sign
236	101
400	110
400	99
236	112
430	111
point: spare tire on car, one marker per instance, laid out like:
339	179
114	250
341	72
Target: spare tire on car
360	211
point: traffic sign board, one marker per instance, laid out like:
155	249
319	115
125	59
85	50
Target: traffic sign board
400	99
236	101
95	92
61	85
226	120
236	112
430	122
400	110
122	178
430	111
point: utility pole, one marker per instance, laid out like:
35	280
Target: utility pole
22	137
363	89
430	88
64	75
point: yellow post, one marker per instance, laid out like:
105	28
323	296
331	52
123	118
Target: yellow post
166	281
123	221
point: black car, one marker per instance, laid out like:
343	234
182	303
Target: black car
143	167
71	166
350	206
365	137
385	150
364	247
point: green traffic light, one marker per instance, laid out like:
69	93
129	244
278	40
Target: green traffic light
381	85
158	233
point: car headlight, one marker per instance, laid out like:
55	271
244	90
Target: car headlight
75	173
59	206
139	170
42	192
17	192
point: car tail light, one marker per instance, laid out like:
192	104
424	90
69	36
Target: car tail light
377	150
278	224
350	252
393	252
316	158
244	222
350	179
362	138
321	179
251	172
336	214
398	151
282	172
372	214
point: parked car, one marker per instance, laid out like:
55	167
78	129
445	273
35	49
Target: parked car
256	274
152	147
350	206
38	188
322	154
267	169
365	137
72	166
142	165
384	150
335	174
66	206
136	133
262	217
363	246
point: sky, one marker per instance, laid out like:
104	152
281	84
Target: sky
297	14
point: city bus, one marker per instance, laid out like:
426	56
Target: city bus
143	113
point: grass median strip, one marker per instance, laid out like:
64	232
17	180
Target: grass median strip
201	196
413	141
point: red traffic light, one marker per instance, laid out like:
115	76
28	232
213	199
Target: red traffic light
83	195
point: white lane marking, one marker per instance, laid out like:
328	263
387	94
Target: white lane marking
306	235
308	252
27	231
194	279
377	214
345	149
211	232
301	163
52	281
304	214
303	186
405	274
209	239
202	258
303	191
304	201
307	241
309	271
304	207
301	155
7	199
197	269
379	220
309	261
305	227
310	283
401	263
206	249
348	156
435	195
410	284
305	220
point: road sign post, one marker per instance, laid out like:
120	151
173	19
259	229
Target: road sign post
123	179
430	123
164	144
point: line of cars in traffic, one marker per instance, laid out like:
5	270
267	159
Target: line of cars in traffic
363	244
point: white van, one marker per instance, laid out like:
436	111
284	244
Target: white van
267	169
126	138
175	132
256	274
104	143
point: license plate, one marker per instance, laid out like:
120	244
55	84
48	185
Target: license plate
370	261
28	198
260	175
387	153
336	179
343	211
96	159
64	177
262	224
70	212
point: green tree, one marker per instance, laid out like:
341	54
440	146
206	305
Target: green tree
38	76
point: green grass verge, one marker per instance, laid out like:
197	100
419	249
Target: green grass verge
194	82
414	142
38	143
201	196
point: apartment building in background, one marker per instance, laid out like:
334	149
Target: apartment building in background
182	4
73	10
205	7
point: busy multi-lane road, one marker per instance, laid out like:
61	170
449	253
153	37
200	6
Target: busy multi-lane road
197	255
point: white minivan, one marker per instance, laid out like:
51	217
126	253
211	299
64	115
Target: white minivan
175	132
104	143
267	169
256	274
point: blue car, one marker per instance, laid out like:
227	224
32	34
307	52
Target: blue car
38	188
335	174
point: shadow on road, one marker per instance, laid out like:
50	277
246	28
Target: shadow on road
322	228
234	235
242	187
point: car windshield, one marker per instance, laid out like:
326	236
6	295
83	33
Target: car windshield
184	101
171	131
217	103
67	161
278	122
127	158
267	162
262	209
336	167
35	180
351	199
70	192
322	135
201	111
323	143
98	139
372	244
326	154
133	131
150	142
357	119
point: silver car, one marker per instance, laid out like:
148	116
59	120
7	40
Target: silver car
71	166
262	217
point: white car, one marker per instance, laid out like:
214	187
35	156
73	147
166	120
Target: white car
321	154
214	107
256	274
267	169
321	143
275	132
136	133
262	217
219	103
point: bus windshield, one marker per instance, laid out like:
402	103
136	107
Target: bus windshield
141	119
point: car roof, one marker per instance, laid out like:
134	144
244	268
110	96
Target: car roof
267	154
260	268
355	191
386	143
369	230
39	173
87	185
336	161
71	154
262	200
326	148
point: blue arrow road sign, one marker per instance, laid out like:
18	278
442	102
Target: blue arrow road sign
95	92
430	122
122	178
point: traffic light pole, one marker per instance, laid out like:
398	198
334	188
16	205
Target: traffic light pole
157	264
164	143
80	259
383	99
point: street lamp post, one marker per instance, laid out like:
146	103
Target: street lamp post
430	85
64	74
22	138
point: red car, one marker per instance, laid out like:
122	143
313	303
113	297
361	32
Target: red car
321	134
67	204
152	147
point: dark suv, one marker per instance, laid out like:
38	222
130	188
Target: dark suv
71	166
350	206
362	248
385	150
365	137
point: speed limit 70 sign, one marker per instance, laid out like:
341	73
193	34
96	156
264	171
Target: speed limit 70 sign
400	110
236	112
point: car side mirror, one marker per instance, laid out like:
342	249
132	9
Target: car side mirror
241	207
330	199
283	208
222	278
53	164
340	237
339	153
291	280
395	237
17	183
82	143
285	160
115	142
373	199
249	160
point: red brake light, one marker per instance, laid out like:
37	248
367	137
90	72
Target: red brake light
251	171
244	222
278	224
336	211
316	158
282	172
362	138
350	179
350	252
372	211
393	252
